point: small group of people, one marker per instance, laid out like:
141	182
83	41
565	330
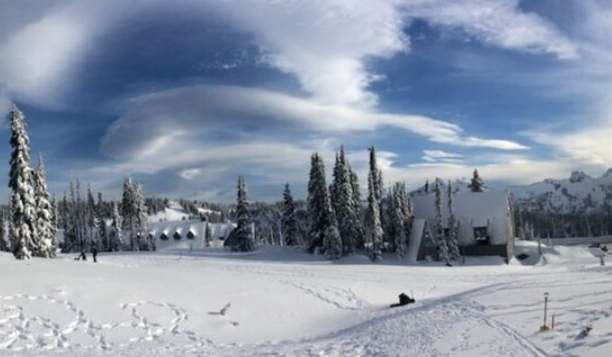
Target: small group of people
83	256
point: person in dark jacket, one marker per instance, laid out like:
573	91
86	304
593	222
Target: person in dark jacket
403	300
94	252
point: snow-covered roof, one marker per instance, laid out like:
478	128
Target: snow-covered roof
475	207
178	232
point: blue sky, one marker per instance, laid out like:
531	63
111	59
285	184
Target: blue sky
184	96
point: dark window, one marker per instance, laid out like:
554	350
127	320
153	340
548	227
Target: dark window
163	236
177	235
481	235
190	235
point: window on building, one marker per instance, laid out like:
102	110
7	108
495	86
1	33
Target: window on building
481	235
163	236
190	235
177	235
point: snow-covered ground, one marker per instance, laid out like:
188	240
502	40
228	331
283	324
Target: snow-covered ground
288	303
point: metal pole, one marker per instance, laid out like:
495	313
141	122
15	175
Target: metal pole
545	308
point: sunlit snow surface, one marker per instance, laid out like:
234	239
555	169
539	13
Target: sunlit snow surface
287	303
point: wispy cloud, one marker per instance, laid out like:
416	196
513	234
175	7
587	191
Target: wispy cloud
441	156
155	121
587	143
498	23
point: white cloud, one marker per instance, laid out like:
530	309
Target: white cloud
441	156
516	172
587	144
40	59
498	23
324	44
189	174
154	121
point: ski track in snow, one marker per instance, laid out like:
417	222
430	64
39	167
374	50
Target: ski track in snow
390	332
31	325
21	331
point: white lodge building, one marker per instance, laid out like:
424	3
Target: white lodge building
485	223
188	234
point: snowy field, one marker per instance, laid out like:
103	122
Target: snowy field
288	303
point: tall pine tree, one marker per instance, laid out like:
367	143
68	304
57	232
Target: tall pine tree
316	203
344	205
358	208
23	205
140	213
288	222
323	234
45	226
373	219
244	231
115	234
374	231
129	213
439	230
4	242
453	235
476	183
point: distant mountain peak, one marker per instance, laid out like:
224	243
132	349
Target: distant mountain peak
579	176
581	193
608	173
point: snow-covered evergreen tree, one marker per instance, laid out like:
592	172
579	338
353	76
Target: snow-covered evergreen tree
408	213
323	226
374	231
91	217
288	222
332	242
399	218
317	189
101	225
129	213
116	241
344	206
476	183
358	209
140	212
439	230
453	235
45	226
373	216
377	180
244	231
4	242
23	205
208	235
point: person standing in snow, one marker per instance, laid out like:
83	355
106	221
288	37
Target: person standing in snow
94	252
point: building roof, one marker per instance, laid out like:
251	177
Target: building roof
475	207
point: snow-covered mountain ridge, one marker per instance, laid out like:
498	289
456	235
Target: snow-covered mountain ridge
579	193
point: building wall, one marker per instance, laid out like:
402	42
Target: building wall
489	209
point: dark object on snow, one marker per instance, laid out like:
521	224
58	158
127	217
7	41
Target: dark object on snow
94	252
81	256
584	332
224	309
403	300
